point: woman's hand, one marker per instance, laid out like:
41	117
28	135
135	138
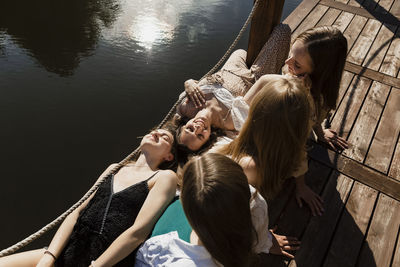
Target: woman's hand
313	200
336	142
194	93
281	244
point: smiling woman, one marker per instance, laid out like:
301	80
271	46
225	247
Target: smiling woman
78	86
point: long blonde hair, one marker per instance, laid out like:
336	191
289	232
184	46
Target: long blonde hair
275	132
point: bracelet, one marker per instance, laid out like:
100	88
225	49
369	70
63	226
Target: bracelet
92	264
51	254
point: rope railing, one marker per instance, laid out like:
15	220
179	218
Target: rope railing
93	189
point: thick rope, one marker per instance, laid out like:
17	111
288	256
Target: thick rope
61	218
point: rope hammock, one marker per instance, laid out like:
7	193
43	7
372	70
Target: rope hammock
171	112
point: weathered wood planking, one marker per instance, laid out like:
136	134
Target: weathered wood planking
311	20
364	42
357	171
329	17
315	240
349	234
384	143
316	177
391	62
300	13
366	122
373	75
382	233
354	29
395	10
278	204
375	56
347	77
343	21
291	212
349	107
395	166
396	257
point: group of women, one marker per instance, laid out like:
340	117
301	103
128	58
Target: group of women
243	132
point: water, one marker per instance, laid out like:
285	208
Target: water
80	80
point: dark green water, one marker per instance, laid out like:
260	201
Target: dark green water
80	80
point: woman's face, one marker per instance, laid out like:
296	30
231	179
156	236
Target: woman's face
158	142
299	61
195	133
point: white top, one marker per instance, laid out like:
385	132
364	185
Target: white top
169	250
238	107
259	218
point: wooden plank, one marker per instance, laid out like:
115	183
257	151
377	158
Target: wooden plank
391	62
343	21
395	10
311	20
366	122
278	204
376	14
375	56
329	18
347	77
354	29
384	142
381	238
373	75
316	178
396	258
395	166
265	18
301	12
356	171
364	42
315	240
347	112
352	227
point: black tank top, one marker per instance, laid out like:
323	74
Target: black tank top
106	216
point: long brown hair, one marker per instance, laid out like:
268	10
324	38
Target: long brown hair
216	200
275	132
327	47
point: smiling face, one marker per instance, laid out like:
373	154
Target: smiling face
299	61
195	133
158	142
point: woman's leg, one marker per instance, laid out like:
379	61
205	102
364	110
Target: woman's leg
274	53
234	75
23	259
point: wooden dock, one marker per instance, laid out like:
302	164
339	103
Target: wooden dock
361	186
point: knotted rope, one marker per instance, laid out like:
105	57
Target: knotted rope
171	112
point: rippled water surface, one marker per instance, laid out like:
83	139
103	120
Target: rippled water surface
80	80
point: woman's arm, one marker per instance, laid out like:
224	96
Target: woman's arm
63	233
157	200
248	97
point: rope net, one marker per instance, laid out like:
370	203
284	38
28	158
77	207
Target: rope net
93	189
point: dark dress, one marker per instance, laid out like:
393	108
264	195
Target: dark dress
106	216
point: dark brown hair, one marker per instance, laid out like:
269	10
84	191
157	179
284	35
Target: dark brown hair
216	200
327	47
